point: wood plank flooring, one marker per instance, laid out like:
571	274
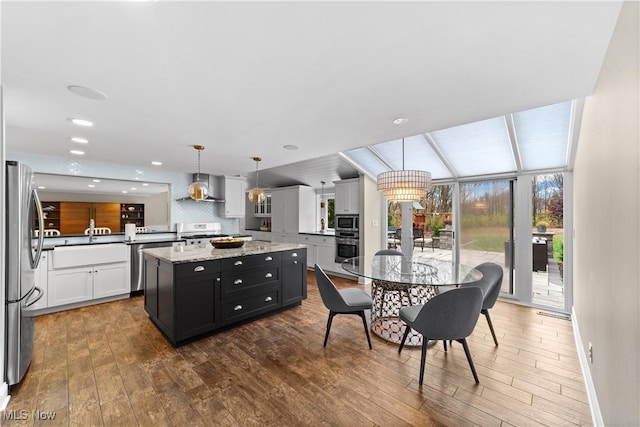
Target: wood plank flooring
108	365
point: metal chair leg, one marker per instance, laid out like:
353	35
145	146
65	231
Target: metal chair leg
326	336
493	333
407	328
366	330
423	358
469	359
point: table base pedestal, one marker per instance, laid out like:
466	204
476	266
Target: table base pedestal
388	298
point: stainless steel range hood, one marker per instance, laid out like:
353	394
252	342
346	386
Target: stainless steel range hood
211	181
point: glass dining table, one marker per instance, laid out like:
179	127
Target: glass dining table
398	281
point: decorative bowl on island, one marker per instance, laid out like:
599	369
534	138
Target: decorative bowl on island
227	243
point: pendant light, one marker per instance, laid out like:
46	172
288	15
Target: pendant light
198	190
256	194
404	185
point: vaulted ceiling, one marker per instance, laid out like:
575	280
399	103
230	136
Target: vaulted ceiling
245	79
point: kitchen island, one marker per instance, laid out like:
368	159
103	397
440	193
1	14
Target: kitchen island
195	290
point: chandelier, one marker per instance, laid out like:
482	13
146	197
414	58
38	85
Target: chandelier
256	194
404	185
198	190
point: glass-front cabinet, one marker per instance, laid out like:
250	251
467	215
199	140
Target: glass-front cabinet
264	208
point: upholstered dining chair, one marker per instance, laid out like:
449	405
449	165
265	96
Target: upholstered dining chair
99	230
451	315
342	301
491	282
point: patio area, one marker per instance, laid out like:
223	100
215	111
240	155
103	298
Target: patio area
547	285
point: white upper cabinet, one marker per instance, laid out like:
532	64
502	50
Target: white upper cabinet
293	209
233	187
347	196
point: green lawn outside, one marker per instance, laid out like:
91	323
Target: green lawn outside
489	239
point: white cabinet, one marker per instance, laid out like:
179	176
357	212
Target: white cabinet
233	193
347	196
320	250
293	209
84	273
70	285
110	279
263	208
42	281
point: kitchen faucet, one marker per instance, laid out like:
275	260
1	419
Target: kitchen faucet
92	225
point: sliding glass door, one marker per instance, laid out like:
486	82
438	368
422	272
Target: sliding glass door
486	225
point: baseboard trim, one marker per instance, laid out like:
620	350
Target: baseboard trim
596	415
4	396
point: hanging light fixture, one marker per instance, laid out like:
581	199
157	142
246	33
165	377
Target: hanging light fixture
198	190
404	185
256	194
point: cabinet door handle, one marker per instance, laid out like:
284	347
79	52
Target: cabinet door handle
237	307
268	299
268	258
268	276
294	255
237	263
199	268
237	282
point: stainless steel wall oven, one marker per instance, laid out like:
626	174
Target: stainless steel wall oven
347	237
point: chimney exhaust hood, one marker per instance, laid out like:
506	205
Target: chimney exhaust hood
210	181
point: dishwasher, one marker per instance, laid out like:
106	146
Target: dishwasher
137	262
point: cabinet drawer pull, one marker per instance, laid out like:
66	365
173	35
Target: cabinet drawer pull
295	262
199	268
268	258
268	276
237	307
217	279
294	255
268	299
237	282
237	263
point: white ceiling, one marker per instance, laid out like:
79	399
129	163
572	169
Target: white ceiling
246	78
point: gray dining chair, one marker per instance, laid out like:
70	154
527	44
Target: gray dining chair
491	282
448	316
342	301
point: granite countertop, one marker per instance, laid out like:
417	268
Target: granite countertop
182	254
314	233
319	233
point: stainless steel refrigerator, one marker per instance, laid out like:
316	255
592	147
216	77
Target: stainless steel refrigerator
23	250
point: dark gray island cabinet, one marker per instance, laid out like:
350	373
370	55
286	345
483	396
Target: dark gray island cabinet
193	291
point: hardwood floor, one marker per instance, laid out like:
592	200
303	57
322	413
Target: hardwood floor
108	365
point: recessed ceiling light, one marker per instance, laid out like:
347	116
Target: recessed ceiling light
40	187
133	188
81	122
144	184
96	180
156	163
80	140
290	147
400	120
124	191
91	186
87	92
77	152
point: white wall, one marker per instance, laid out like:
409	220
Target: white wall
607	227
